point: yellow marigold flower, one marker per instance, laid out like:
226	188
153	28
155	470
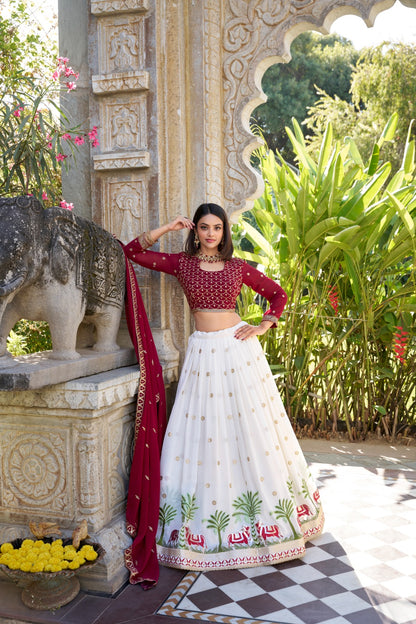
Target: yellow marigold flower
27	542
39	543
80	559
56	568
31	556
13	565
55	560
73	565
6	547
48	567
26	566
57	542
64	564
38	567
45	546
70	555
91	556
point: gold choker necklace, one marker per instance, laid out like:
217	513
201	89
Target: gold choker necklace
204	258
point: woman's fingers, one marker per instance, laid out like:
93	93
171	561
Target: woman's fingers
246	331
182	222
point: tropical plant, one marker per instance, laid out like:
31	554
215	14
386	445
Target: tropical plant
285	509
16	344
338	233
167	514
218	521
248	506
188	510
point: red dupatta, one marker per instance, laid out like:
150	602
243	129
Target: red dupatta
142	512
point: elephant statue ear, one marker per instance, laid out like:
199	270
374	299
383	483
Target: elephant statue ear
65	241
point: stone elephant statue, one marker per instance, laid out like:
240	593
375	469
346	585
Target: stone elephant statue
60	268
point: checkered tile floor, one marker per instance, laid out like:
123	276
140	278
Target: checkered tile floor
362	570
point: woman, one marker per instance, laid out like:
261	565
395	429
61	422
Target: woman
235	488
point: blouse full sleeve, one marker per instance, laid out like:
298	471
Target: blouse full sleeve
267	288
136	250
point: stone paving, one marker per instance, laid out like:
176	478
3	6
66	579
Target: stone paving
361	570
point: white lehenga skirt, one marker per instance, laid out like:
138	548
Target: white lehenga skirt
235	487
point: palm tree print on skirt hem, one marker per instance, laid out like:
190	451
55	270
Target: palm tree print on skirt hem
241	555
252	541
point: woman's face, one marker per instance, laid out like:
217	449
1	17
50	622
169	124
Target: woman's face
210	231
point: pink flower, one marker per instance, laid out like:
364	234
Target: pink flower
18	110
79	140
92	134
44	196
60	157
49	145
95	143
71	86
64	204
66	137
62	60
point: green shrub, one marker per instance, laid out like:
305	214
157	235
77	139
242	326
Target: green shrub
339	235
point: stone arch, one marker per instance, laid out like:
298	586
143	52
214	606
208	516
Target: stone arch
256	36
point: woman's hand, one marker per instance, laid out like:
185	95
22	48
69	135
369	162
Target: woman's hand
180	223
248	331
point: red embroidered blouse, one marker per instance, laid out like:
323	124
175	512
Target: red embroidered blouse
210	290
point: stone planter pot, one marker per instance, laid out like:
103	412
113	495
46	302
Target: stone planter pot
50	590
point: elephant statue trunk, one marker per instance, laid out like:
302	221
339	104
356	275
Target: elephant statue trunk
60	268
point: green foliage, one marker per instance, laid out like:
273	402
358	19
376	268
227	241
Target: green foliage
16	344
325	62
35	137
23	46
29	337
383	82
339	235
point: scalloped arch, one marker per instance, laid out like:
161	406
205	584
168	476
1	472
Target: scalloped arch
258	34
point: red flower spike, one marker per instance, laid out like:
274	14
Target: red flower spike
400	343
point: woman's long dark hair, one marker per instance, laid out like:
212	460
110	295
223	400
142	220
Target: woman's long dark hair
225	248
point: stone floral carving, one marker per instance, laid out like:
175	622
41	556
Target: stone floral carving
123	49
124	128
126	213
34	469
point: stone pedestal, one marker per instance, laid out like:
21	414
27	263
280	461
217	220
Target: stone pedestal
65	453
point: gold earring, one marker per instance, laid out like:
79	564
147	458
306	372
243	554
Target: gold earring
196	239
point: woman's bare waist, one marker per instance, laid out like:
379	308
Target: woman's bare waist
214	320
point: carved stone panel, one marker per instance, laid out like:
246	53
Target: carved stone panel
124	123
125	202
35	471
121	44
